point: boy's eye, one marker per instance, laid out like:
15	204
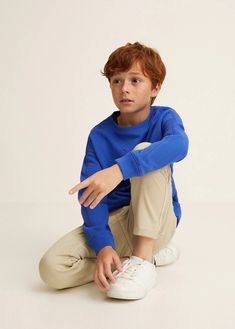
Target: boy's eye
133	80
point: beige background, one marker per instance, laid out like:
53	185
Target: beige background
52	94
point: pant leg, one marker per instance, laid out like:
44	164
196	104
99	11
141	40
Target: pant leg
70	261
151	212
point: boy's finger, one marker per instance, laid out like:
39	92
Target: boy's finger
97	200
103	280
79	186
74	189
97	281
88	193
109	274
118	263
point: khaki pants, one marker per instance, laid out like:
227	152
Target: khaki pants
70	261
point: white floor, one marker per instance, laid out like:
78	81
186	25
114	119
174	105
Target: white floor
198	291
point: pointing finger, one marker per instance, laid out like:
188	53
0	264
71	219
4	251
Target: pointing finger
79	186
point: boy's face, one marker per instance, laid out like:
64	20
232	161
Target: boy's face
135	86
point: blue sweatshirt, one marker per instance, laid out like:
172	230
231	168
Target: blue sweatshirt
108	143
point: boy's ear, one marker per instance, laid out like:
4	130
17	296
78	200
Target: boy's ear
156	89
158	86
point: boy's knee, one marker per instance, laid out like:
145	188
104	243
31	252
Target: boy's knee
142	145
166	169
48	272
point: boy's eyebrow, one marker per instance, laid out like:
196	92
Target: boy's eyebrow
132	72
135	73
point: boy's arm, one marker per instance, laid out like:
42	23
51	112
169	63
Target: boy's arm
173	147
95	226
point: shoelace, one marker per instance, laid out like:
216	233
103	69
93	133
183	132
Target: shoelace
128	271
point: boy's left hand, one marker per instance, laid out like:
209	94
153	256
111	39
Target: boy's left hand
98	185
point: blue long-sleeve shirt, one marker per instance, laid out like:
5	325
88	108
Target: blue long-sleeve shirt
108	143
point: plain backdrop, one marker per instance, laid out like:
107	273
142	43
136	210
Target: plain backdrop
52	93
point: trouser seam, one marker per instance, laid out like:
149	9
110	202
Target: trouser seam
164	206
125	234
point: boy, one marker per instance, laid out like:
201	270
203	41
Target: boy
128	198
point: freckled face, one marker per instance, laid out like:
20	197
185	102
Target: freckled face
134	86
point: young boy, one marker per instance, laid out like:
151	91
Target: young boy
127	193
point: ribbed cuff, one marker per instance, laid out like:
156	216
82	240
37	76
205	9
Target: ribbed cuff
129	165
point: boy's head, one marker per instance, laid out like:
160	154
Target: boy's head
130	55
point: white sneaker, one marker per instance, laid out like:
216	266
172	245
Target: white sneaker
134	282
166	255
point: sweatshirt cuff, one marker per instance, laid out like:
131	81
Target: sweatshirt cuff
129	165
99	241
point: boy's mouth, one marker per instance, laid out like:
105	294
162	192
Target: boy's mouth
126	100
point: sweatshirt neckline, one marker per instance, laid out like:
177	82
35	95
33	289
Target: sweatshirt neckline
131	128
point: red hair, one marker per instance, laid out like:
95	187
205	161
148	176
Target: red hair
122	59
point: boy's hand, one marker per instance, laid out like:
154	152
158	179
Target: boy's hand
98	185
105	258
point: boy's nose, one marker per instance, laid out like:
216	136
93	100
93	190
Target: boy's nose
125	87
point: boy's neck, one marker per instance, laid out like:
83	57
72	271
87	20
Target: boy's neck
125	120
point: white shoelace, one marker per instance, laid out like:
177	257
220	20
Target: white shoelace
129	269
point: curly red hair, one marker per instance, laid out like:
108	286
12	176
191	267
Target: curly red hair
122	59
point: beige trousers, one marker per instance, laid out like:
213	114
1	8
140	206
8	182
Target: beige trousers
71	262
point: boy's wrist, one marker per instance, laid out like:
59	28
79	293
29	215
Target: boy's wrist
118	170
105	249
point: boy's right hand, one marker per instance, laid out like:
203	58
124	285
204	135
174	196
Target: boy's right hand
105	258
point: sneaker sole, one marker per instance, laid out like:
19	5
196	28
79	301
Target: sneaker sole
131	295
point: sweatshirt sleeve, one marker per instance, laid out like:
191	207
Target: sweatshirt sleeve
95	226
173	147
